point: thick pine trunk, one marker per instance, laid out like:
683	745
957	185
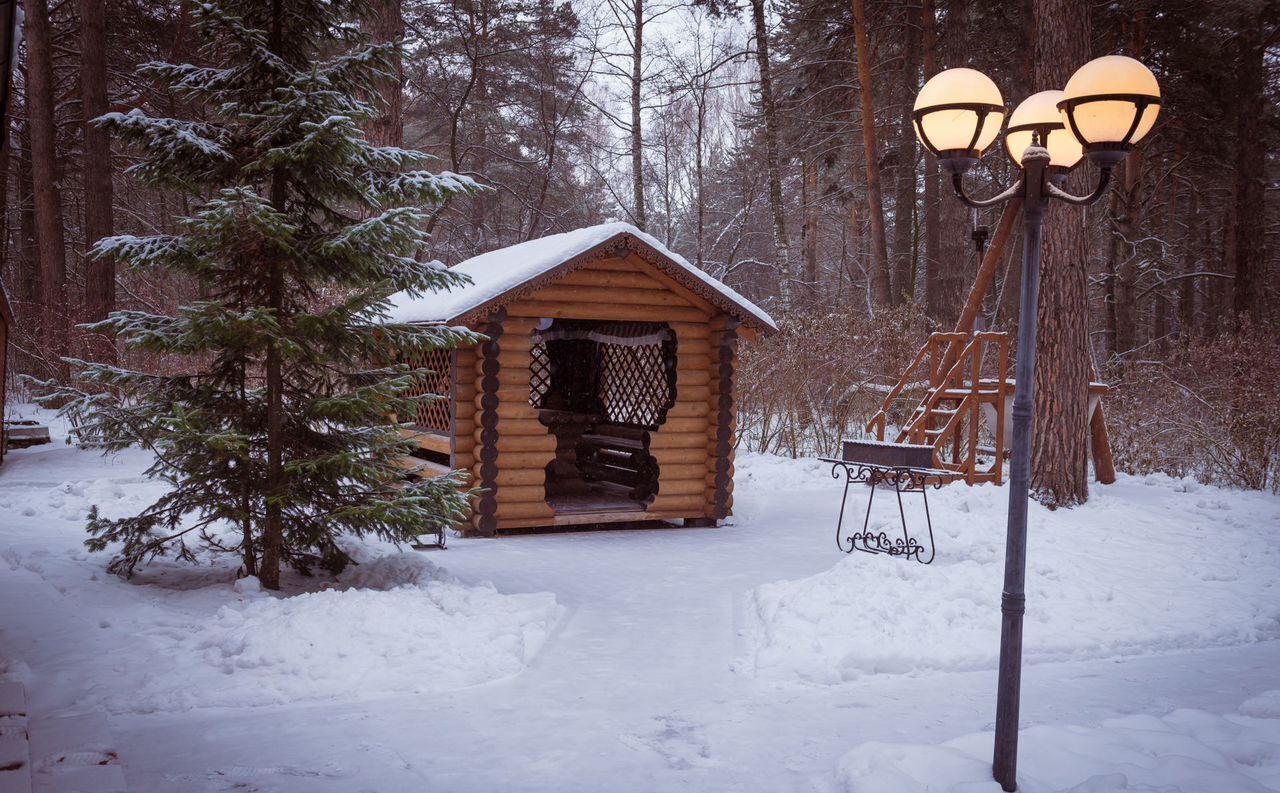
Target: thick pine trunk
1251	172
1060	462
637	140
878	262
100	272
385	24
47	194
768	109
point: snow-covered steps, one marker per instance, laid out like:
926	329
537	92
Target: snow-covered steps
15	757
74	753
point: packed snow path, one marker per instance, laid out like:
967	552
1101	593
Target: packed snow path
653	677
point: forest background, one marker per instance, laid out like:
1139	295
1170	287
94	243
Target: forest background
771	144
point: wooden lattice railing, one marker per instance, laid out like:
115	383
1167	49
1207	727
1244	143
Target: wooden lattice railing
434	415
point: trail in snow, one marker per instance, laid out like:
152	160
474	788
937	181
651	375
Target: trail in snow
686	659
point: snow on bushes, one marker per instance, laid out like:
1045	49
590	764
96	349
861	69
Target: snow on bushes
1147	565
405	626
1187	750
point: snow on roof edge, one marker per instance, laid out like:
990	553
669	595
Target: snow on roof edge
500	271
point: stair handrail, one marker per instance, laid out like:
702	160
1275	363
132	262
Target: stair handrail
879	421
930	400
971	352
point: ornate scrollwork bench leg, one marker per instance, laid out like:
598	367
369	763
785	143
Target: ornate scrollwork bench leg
904	480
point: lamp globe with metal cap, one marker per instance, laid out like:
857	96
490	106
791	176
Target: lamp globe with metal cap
1038	115
957	114
1109	104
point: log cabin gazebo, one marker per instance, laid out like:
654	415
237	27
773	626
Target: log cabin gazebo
605	393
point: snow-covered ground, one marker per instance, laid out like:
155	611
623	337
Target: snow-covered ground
754	657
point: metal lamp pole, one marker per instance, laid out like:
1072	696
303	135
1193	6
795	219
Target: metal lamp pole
1107	106
1036	187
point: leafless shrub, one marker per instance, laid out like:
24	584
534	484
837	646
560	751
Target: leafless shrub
1212	411
816	380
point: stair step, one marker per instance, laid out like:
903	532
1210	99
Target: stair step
961	393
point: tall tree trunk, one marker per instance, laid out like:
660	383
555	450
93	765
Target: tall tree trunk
1128	221
1251	172
637	140
1126	252
879	254
1060	462
781	245
385	24
100	272
1160	308
1110	296
273	528
1187	286
30	301
933	296
1217	299
48	195
810	230
700	179
902	285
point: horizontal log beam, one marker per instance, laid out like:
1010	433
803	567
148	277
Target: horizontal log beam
521	477
607	295
525	443
682	487
605	311
610	279
526	510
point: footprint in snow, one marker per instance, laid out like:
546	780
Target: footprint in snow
682	744
255	778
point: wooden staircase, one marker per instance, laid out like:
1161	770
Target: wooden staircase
959	408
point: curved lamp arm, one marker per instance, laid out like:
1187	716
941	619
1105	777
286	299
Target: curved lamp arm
980	203
1068	198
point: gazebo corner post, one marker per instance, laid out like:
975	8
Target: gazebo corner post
490	350
725	410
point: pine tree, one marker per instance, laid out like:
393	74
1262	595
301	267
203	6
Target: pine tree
270	425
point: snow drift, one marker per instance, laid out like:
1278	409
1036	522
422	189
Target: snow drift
405	626
1185	751
1108	578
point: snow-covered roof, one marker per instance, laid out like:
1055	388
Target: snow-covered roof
497	275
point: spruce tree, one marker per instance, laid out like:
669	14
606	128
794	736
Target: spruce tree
270	419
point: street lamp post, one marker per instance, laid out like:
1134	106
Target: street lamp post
1107	106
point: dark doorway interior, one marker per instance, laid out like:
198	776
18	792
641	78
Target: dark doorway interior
601	388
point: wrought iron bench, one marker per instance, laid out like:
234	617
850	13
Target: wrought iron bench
907	468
